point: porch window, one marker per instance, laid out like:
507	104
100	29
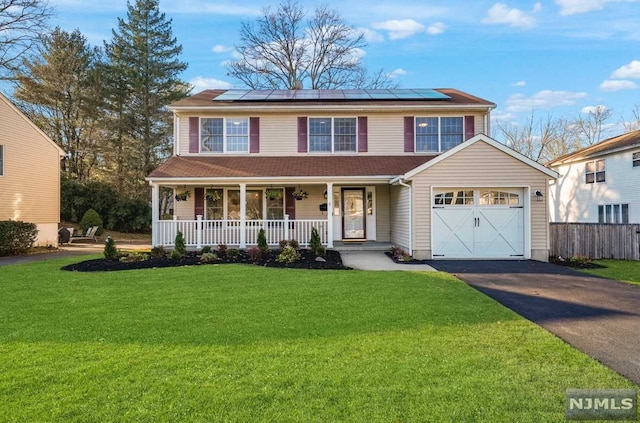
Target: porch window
224	135
438	134
594	171
254	204
332	135
275	207
214	204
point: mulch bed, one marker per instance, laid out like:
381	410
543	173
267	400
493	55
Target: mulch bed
192	258
412	261
576	264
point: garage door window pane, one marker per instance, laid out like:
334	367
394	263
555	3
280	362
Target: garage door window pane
458	198
492	198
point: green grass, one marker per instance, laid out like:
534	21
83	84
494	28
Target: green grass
240	344
621	270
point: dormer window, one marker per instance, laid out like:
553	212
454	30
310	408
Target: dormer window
224	135
594	171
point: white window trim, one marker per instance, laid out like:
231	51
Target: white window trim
333	151
225	200
415	133
604	212
634	161
224	136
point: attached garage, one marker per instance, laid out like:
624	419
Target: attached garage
479	200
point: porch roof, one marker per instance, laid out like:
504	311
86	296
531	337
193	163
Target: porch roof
303	166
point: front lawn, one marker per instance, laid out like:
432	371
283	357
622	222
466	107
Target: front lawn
245	343
621	270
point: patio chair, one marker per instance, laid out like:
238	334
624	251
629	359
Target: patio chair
90	235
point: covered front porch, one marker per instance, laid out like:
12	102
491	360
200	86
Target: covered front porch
218	212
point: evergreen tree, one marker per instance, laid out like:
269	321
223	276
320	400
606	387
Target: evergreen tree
144	69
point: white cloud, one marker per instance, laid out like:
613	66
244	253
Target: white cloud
201	7
574	7
594	109
219	48
519	84
399	29
617	85
630	71
201	83
544	99
501	116
500	13
396	73
370	35
436	28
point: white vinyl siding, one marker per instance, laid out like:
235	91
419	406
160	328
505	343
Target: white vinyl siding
400	234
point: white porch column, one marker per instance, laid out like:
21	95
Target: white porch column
329	214
199	231
243	215
155	213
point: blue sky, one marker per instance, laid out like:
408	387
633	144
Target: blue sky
557	57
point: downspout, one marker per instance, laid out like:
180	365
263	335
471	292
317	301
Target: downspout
400	182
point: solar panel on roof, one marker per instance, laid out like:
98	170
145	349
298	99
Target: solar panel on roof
231	95
307	95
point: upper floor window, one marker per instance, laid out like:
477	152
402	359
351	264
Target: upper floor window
594	171
224	135
332	135
437	134
636	159
1	160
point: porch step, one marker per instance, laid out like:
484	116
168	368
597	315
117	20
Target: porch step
361	246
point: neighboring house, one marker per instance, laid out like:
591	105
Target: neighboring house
408	167
599	184
29	174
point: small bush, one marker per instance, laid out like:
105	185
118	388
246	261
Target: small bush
158	252
135	257
233	253
405	257
222	249
91	218
255	254
110	250
16	237
580	260
283	243
396	252
175	255
206	249
315	244
179	246
209	257
262	241
321	251
288	255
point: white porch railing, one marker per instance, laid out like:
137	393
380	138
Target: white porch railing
198	233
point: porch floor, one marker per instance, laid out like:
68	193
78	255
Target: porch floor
361	246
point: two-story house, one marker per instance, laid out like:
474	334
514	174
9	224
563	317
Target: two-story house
408	167
599	184
29	174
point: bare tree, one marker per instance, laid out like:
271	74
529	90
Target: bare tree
634	123
589	127
22	22
281	48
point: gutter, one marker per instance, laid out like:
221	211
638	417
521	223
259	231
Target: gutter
400	181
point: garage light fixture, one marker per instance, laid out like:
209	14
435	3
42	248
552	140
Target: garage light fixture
539	195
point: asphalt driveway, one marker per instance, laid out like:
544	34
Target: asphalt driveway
598	316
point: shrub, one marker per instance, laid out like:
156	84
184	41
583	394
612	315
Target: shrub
405	257
179	247
283	243
90	218
134	257
206	249
255	254
396	252
262	241
288	255
321	251
314	243
209	257
222	249
129	215
233	253
158	252
110	250
16	237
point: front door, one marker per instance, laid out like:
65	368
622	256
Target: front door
353	215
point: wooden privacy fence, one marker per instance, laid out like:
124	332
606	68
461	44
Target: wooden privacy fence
595	240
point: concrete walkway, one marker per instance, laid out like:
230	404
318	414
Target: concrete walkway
377	260
598	316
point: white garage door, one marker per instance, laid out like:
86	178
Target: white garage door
478	223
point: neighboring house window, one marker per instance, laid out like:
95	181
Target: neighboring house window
594	171
613	213
332	135
437	134
1	160
224	135
636	159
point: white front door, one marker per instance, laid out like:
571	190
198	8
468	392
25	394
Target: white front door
478	223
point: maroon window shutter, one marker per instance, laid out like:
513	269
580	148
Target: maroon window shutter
194	134
363	136
469	127
302	134
254	135
290	202
199	201
409	130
